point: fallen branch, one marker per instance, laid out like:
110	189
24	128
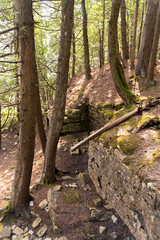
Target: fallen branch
116	123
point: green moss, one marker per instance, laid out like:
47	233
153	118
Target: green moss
148	119
129	161
72	197
128	143
108	105
109	138
156	136
7	215
108	113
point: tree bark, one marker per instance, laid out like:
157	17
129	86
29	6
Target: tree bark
152	61
134	35
125	48
147	38
23	170
39	118
101	38
116	67
57	118
74	55
85	43
0	127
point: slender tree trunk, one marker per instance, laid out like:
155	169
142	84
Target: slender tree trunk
22	178
139	40
134	35
85	42
39	118
74	55
116	67
152	61
60	94
147	38
101	38
125	48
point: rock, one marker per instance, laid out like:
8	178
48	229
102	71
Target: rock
64	178
18	231
102	229
43	204
113	235
108	206
36	222
5	232
30	232
13	227
61	238
114	218
42	231
98	202
76	152
72	185
19	237
48	238
26	230
52	204
25	238
31	203
81	180
100	215
88	188
57	188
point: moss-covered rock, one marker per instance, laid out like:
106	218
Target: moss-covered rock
128	143
147	120
109	138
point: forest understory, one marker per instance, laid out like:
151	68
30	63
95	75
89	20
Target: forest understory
73	217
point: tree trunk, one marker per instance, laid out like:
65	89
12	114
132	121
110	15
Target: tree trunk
142	18
134	35
85	43
0	128
60	94
147	38
39	118
125	48
116	67
74	55
152	61
101	39
22	178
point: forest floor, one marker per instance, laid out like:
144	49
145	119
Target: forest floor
74	217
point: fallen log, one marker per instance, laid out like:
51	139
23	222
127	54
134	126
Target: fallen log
116	123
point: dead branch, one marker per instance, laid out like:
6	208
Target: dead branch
116	123
10	61
8	90
7	54
8	30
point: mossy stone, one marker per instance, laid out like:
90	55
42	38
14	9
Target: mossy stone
128	143
109	138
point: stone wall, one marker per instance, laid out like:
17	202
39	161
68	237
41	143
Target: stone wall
119	179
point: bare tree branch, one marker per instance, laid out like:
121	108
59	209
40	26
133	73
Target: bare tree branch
7	54
8	90
8	30
10	61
